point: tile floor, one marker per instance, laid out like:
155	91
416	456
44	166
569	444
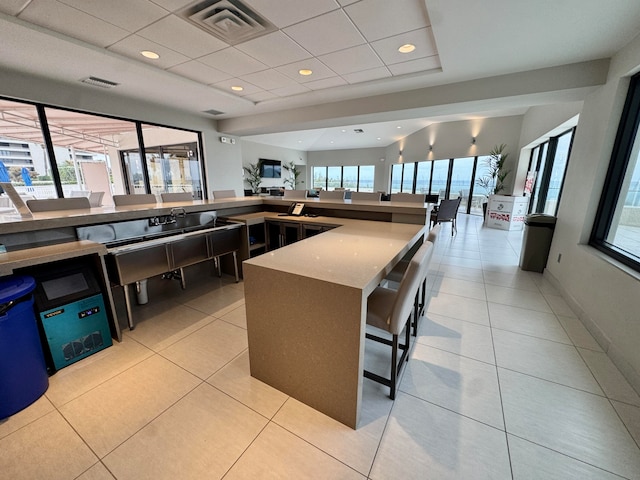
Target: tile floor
503	382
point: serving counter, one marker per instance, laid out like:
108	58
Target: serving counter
306	310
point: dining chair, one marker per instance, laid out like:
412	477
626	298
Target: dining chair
446	212
176	197
391	311
332	194
295	194
408	197
368	196
218	194
138	199
53	204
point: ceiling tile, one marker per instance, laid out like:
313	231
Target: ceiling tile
131	15
367	75
133	45
294	89
233	61
352	60
319	69
248	88
70	21
283	13
172	5
326	83
378	19
421	64
12	7
422	39
269	79
181	36
274	49
199	72
344	3
327	33
261	96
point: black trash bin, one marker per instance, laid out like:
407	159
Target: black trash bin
536	241
23	372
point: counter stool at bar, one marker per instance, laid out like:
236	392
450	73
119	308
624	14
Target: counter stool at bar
398	271
392	310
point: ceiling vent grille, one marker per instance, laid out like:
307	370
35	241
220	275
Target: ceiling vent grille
231	21
213	112
358	130
99	82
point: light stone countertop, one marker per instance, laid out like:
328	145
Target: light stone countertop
357	254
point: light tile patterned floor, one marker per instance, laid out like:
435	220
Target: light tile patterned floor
503	382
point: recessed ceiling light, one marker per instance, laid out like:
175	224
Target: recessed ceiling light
305	72
343	130
407	48
398	126
237	88
379	138
150	54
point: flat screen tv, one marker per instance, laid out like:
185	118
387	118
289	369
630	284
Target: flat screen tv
270	168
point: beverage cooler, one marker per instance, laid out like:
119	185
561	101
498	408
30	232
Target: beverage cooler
71	312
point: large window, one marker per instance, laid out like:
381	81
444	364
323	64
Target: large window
617	227
48	152
357	178
549	162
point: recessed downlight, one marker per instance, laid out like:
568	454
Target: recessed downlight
237	88
407	48
149	54
305	72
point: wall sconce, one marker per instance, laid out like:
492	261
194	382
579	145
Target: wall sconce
400	153
431	148
473	140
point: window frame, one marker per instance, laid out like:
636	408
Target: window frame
616	172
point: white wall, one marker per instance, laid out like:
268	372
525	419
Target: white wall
605	295
252	152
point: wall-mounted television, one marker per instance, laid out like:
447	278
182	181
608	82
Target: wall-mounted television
270	168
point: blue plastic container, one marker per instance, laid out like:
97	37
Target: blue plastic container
23	372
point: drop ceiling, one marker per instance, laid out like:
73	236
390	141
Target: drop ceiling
350	45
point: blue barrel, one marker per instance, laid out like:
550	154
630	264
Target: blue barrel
23	372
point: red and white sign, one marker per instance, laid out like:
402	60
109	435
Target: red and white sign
505	212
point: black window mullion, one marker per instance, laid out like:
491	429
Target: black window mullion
143	159
447	191
546	174
415	177
46	133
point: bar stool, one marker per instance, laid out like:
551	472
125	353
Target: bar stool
391	311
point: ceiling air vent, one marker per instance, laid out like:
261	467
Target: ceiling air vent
231	21
358	130
213	112
99	82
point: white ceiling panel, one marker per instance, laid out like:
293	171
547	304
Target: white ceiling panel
12	7
248	89
367	75
352	60
326	83
294	89
269	79
378	19
327	33
260	96
59	17
133	45
131	15
344	3
387	48
319	69
233	61
173	5
283	13
420	65
200	72
274	49
179	35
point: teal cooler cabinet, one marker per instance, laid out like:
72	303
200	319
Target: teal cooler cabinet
72	315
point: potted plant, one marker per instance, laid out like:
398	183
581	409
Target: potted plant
494	175
253	177
294	173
